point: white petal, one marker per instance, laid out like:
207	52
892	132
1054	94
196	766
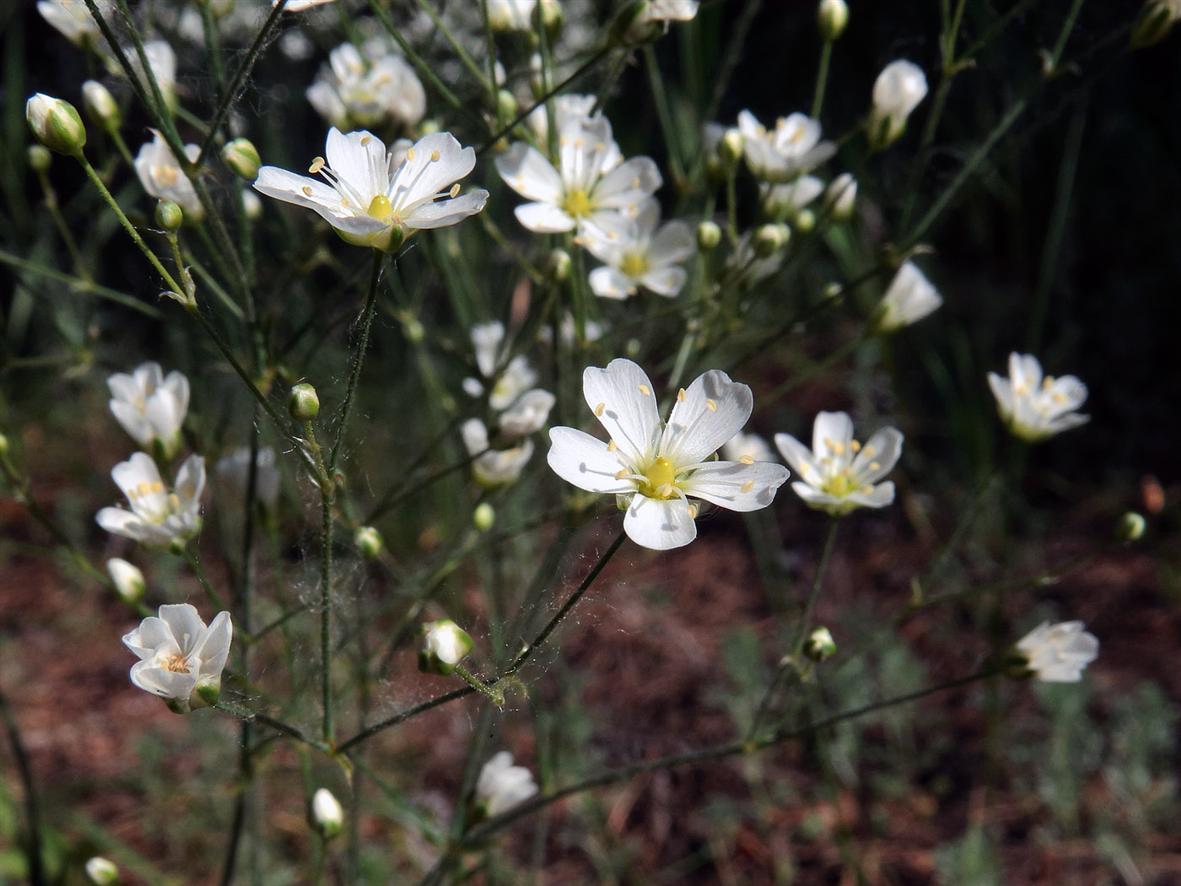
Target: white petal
673	243
883	449
878	497
214	647
736	486
185	623
544	218
442	213
526	171
133	421
628	183
713	410
302	191
622	399
666	281
659	525
798	456
162	682
439	162
585	461
607	282
358	158
832	429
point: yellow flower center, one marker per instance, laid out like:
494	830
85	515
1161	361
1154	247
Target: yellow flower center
634	265
839	485
577	203
175	663
380	208
659	479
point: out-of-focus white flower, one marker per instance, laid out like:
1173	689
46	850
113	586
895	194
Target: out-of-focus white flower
791	149
494	467
528	414
511	15
1034	407
896	93
838	474
444	645
129	581
841	197
639	252
234	469
1058	653
501	785
102	871
327	814
301	5
567	331
660	464
251	205
150	406
746	267
589	186
370	199
161	175
72	19
353	91
162	62
909	298
747	448
566	108
787	200
512	382
100	105
157	518
181	659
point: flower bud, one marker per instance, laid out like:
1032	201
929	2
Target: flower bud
100	106
102	871
557	266
206	693
3	445
483	516
56	124
820	645
1156	19
1131	527
251	205
769	239
831	18
303	402
730	146
169	215
129	581
805	221
39	158
551	13
327	814
368	542
841	197
444	645
633	26
427	127
412	328
241	156
506	105
709	235
896	93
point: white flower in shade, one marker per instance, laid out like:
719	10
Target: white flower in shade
302	5
566	108
662	464
528	414
157	517
370	199
909	298
501	785
838	474
129	581
234	469
744	265
787	200
444	645
748	447
150	406
327	814
639	253
494	467
792	148
353	91
896	93
511	15
512	381
1058	653
161	175
567	330
1034	407
162	62
589	186
841	196
72	19
181	659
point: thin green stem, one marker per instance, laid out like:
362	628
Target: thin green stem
327	494
33	851
463	55
199	572
63	229
77	284
425	70
660	95
358	360
821	79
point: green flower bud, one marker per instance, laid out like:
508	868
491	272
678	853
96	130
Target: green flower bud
551	13
327	814
557	266
769	239
730	146
3	445
483	516
831	17
805	220
100	106
444	645
129	581
169	215
241	156
303	403
426	127
1131	527
206	693
709	235
102	871
1156	19
39	158
820	645
506	105
368	541
56	124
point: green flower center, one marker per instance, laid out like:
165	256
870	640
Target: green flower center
659	479
634	265
577	203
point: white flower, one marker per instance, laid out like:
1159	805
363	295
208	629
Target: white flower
150	406
747	447
838	474
785	201
511	15
513	380
157	517
370	199
1034	407
301	5
180	658
327	814
670	11
444	645
501	785
352	91
909	298
72	19
841	196
161	175
589	185
566	108
129	581
896	93
661	463
528	414
746	265
638	253
792	148
234	469
162	62
494	467
1058	653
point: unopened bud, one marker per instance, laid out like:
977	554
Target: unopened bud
327	814
730	146
56	124
3	445
444	645
1131	527
102	871
841	197
303	403
169	215
413	329
769	239
428	127
551	14
506	105
241	156
557	266
805	221
368	541
483	516
129	581
39	158
100	106
831	18
709	235
1156	19
820	645
251	205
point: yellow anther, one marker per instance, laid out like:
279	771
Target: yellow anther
645	390
855	445
870	452
307	190
636	183
681	395
866	489
711	405
612	445
435	155
577	203
634	264
165	175
365	140
620	474
747	486
410	154
692	512
599	410
1048	382
317	165
454	192
875	466
747	460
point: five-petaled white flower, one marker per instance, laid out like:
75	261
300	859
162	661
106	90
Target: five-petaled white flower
589	186
1033	407
354	91
157	517
1058	653
494	467
660	464
786	201
181	659
896	93
151	406
501	785
838	474
909	298
639	252
370	199
161	175
792	148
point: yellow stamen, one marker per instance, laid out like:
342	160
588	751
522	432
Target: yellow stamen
634	265
175	663
855	445
681	395
660	479
711	405
307	191
317	165
454	192
747	486
435	156
747	460
612	445
645	390
599	410
366	139
577	203
410	155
